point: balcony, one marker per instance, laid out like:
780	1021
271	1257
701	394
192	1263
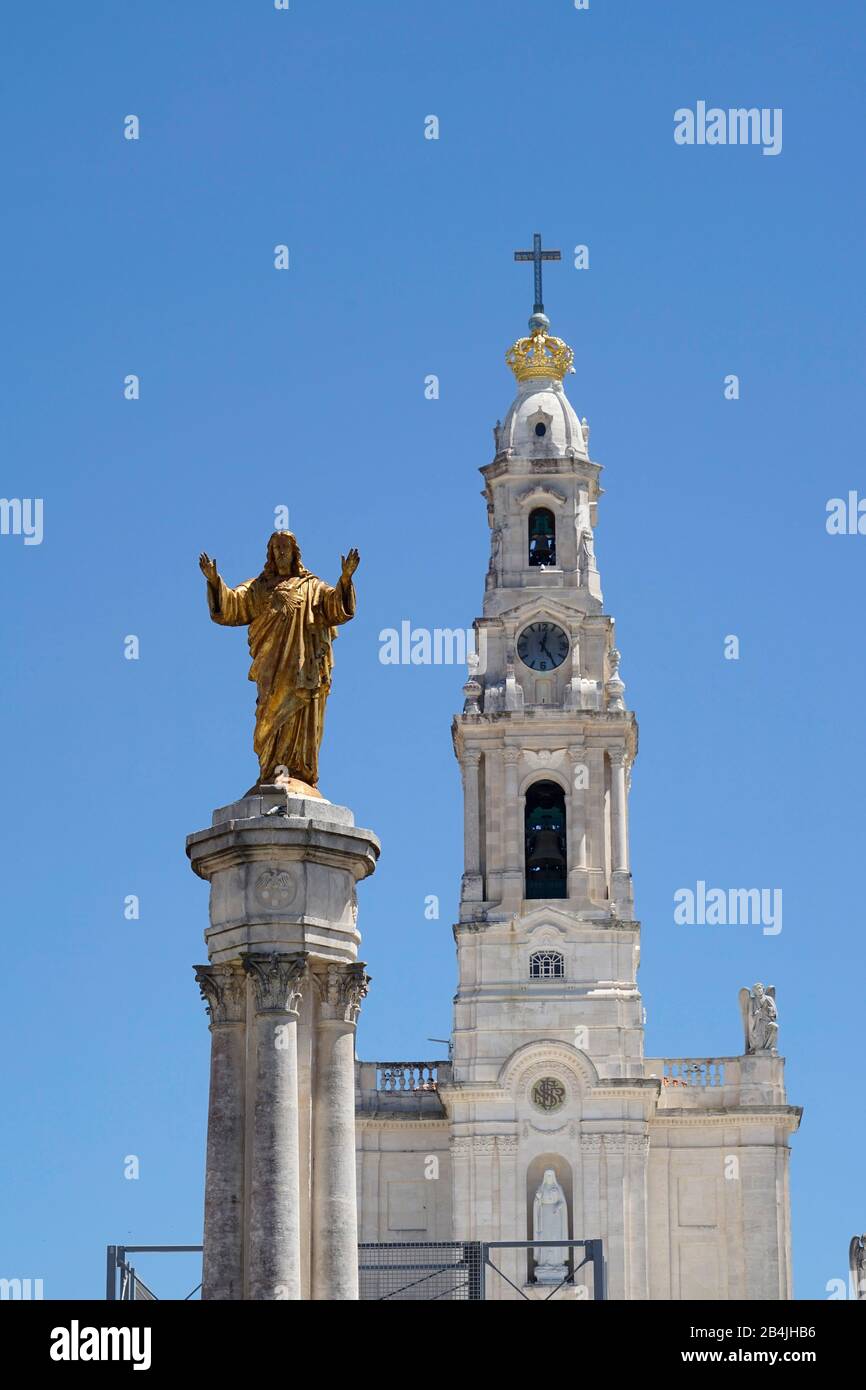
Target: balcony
409	1088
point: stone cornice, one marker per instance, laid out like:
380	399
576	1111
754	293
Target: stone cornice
379	1120
271	838
629	1088
586	927
592	1140
604	722
517	466
782	1116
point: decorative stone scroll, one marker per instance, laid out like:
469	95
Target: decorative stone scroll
341	989
224	990
277	980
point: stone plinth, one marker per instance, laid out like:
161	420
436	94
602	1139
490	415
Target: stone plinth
283	986
282	872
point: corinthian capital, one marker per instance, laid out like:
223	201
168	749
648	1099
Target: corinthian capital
277	980
341	989
224	990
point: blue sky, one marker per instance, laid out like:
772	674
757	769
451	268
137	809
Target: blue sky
306	388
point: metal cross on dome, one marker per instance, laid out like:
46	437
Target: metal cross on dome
537	255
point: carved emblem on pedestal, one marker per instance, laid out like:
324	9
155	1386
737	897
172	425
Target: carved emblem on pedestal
275	889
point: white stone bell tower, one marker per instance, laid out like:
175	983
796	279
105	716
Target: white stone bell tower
547	1008
548	1116
545	710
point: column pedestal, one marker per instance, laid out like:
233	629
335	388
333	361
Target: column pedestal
284	987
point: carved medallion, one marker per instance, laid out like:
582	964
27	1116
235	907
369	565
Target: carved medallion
548	1093
275	889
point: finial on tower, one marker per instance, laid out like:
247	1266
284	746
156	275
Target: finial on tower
539	355
539	319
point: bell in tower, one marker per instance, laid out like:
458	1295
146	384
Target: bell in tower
546	866
542	537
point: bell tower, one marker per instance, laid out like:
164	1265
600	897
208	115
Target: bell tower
548	1069
548	1020
548	1122
545	744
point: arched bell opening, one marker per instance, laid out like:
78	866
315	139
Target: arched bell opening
545	841
542	537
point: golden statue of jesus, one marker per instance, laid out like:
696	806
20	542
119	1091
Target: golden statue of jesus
292	617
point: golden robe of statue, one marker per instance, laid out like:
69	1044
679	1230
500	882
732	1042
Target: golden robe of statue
292	617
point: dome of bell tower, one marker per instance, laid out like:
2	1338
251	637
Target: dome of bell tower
542	423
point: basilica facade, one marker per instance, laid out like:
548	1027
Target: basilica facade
548	1103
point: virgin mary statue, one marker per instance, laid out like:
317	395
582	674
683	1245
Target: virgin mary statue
292	618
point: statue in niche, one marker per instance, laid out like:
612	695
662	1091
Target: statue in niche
550	1222
585	556
493	569
760	1024
857	1264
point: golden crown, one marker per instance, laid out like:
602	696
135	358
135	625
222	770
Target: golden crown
539	355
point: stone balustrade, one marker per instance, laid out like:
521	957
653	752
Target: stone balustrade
408	1087
409	1076
692	1081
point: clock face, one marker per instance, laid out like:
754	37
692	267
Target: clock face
542	646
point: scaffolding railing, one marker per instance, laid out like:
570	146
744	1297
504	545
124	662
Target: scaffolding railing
122	1283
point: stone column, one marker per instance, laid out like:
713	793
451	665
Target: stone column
472	885
618	813
461	1183
514	875
616	1251
637	1157
620	885
275	1196
594	1207
334	1235
595	836
512	1209
224	988
577	824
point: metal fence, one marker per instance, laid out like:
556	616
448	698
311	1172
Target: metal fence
425	1271
123	1285
477	1271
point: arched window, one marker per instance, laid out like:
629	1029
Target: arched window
545	841
546	965
542	537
